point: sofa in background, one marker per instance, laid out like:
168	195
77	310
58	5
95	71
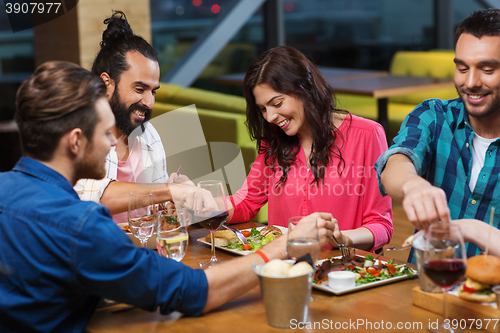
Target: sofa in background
435	64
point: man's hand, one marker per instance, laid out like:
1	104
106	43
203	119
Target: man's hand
424	204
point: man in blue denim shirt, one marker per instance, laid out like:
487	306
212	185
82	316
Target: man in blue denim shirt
65	254
444	162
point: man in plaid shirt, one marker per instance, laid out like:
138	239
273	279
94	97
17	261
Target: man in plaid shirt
444	163
129	67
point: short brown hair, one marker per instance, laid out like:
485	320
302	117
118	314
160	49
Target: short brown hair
57	98
480	23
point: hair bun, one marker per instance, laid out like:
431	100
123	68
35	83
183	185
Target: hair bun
118	29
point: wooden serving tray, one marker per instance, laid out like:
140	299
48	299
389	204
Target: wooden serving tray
458	308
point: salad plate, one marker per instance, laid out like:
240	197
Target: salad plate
236	251
411	273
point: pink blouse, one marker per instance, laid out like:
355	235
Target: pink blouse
350	193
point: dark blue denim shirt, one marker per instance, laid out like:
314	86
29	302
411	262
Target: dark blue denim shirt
65	254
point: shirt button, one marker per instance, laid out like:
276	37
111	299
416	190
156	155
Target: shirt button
304	199
490	153
473	202
467	145
484	176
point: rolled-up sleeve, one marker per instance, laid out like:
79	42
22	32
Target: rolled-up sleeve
91	189
413	139
381	162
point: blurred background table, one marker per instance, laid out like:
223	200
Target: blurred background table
331	73
383	87
389	303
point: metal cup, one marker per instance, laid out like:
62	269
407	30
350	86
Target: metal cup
286	299
496	291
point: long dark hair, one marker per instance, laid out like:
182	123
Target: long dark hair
287	71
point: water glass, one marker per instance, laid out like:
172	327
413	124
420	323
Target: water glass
171	234
141	216
303	242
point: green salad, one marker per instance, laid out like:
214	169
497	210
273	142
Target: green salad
369	273
366	271
255	240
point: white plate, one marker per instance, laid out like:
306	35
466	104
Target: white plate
324	286
151	241
243	253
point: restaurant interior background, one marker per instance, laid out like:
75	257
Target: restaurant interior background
338	33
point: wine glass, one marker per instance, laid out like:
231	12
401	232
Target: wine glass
209	216
141	216
303	242
171	234
444	261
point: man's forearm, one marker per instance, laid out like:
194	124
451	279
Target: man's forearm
115	196
235	277
398	172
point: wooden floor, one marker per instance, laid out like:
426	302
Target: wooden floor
402	230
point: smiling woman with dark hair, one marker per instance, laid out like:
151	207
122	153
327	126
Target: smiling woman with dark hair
312	156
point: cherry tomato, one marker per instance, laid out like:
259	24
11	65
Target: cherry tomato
246	233
246	247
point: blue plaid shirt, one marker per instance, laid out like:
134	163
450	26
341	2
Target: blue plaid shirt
437	138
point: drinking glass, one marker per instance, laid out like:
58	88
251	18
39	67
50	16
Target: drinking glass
141	216
208	216
306	241
444	262
171	234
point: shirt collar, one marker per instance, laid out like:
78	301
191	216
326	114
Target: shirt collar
38	170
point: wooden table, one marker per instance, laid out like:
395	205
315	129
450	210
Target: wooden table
391	303
383	87
331	73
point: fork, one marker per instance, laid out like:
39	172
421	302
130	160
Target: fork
237	233
344	250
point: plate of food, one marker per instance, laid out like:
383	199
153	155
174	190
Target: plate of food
369	273
256	238
126	228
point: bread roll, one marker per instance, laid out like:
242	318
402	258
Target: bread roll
275	268
301	268
484	269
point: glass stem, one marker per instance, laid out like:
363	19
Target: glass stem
212	238
144	242
445	312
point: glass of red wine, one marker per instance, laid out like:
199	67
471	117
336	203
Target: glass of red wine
209	216
444	262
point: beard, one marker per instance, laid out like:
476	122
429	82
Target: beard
92	166
487	110
122	113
